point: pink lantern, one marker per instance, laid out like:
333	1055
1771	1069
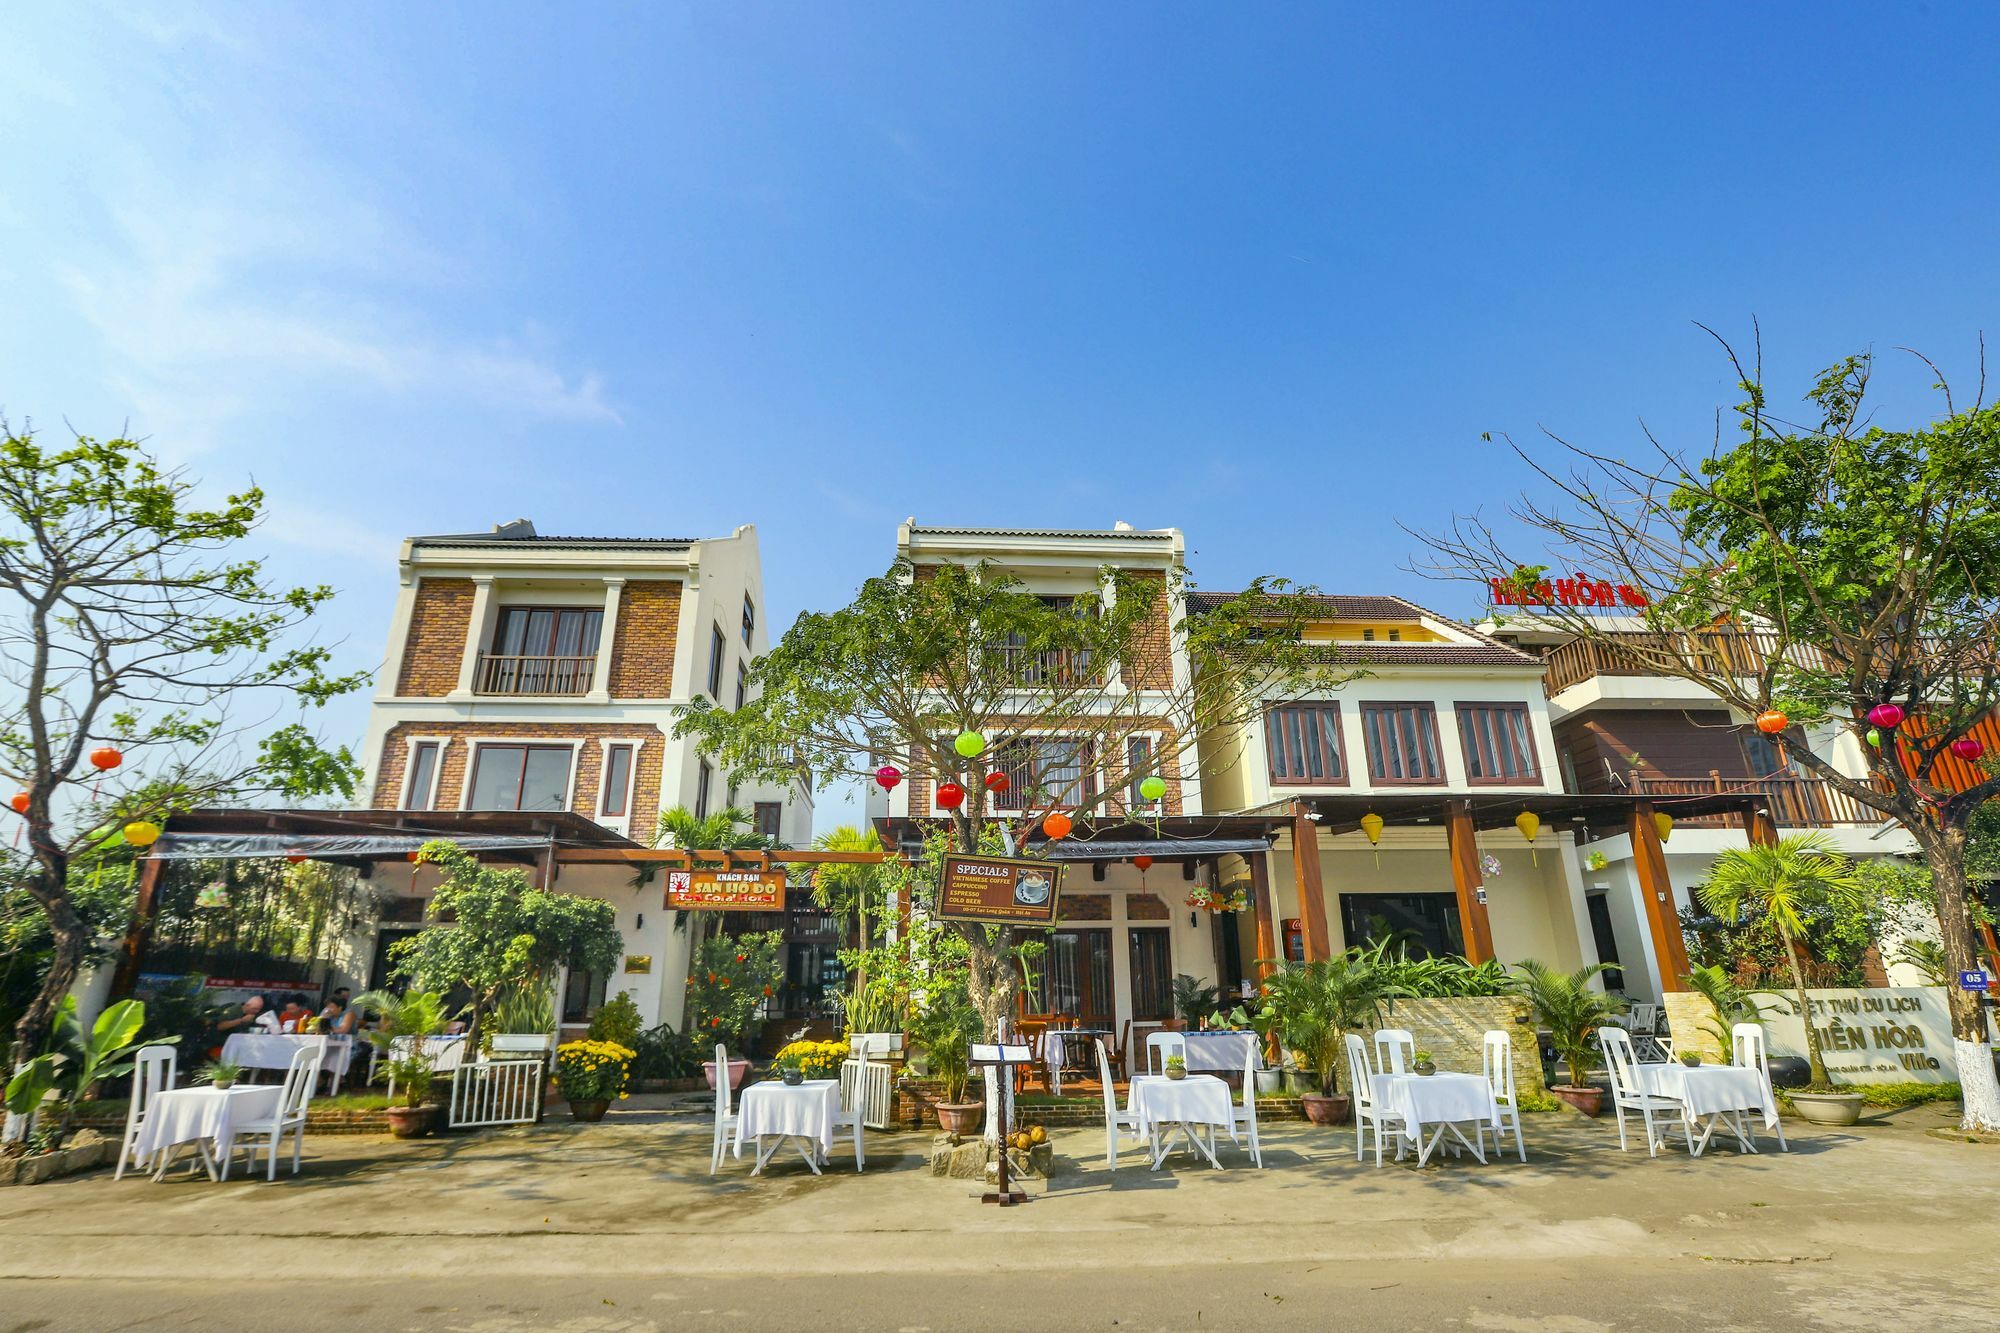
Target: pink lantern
1886	716
887	776
1968	748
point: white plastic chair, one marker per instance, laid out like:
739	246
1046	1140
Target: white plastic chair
852	1097
1116	1122
153	1073
1160	1045
725	1118
1498	1050
1245	1115
1396	1051
1366	1111
301	1079
1628	1095
1752	1052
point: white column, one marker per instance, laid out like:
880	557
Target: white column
600	680
1579	905
475	634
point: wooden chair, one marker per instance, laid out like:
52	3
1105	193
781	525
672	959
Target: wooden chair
1031	1029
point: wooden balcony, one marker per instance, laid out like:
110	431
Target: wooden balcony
1052	669
500	674
1794	802
1720	652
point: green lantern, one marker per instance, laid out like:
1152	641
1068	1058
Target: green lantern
1153	788
1875	738
969	744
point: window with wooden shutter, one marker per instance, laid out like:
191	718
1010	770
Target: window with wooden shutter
1402	742
1302	744
1499	746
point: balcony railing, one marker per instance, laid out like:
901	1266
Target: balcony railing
1720	652
1052	669
1794	802
501	674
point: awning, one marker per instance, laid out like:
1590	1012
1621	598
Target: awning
1159	849
323	846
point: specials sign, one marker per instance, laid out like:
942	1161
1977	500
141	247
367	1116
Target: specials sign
999	890
726	890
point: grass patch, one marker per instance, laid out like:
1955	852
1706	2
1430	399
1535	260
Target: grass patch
1528	1099
1891	1094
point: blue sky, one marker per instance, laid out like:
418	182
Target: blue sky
1264	273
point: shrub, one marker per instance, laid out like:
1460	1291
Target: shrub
661	1052
1893	1094
731	978
1528	1099
617	1021
814	1059
592	1071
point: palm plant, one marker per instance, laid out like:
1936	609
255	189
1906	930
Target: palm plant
1194	999
1311	1007
1732	1003
1570	1008
1927	956
1779	882
419	1016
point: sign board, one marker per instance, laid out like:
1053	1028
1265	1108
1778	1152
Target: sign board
1577	590
1000	890
1974	980
1000	1053
726	890
1895	1034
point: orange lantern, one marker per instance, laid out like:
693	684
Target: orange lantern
1144	863
1772	722
296	857
105	758
20	802
1057	826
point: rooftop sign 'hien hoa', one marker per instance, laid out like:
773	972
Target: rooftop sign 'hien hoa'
1577	590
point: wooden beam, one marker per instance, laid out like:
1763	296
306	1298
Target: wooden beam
1761	829
1267	916
675	856
1312	888
1461	842
1656	890
132	953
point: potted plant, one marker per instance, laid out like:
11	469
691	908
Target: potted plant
223	1074
414	1019
1312	1007
1692	1059
1176	1067
1566	1004
590	1075
789	1070
948	1029
1422	1063
1193	1001
1778	882
731	981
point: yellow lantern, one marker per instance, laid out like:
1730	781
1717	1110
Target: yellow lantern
1371	824
1530	824
1664	822
140	833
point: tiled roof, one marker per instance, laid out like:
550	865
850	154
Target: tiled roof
1337	604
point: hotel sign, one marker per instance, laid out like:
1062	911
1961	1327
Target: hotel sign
726	890
1576	590
999	890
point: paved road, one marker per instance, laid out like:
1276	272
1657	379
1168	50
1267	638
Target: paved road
620	1227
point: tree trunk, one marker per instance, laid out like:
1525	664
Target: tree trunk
1944	853
994	987
1813	1056
49	886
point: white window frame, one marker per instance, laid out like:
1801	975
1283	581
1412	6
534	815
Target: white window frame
604	744
995	801
547	742
410	769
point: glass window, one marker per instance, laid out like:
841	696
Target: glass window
1302	745
769	820
704	778
617	780
548	631
423	775
749	619
1402	743
1045	771
521	777
1499	747
742	684
717	646
1424	923
1138	760
583	997
1152	975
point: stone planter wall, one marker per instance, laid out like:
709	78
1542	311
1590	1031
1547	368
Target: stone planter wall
1687	1015
1454	1032
88	1150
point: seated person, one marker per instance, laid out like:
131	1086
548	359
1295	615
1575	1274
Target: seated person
339	1018
255	1017
293	1016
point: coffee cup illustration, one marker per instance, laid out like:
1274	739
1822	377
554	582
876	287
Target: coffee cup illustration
1031	890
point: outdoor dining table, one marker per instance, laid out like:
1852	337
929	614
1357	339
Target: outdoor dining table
204	1116
1067	1048
1712	1097
1194	1106
274	1050
800	1113
1441	1099
1225	1051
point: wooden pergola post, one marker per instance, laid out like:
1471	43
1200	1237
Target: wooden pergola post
1312	888
132	953
1461	842
1266	912
1656	889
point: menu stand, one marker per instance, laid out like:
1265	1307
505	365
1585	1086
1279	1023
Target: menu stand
1003	1057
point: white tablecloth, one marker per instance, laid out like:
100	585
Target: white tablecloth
1198	1099
262	1050
1072	1047
1435	1099
186	1115
1221	1051
1710	1089
803	1111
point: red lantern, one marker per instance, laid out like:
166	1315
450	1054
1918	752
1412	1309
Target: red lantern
1057	826
20	802
1144	863
1886	716
1772	722
887	776
411	857
950	796
296	857
998	783
1968	748
105	758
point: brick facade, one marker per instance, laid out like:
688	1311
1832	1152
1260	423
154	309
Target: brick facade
1150	664
439	619
645	800
642	650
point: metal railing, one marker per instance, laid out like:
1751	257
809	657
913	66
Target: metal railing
503	674
498	1092
1054	668
1718	652
1794	802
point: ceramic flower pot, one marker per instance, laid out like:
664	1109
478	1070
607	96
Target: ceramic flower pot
738	1071
791	1078
1321	1110
223	1084
1589	1100
959	1118
409	1122
1828	1108
591	1111
1176	1073
1269	1081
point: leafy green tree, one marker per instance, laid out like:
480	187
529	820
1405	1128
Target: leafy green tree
1570	1008
78	1059
131	621
920	656
1820	567
1782	883
493	930
729	981
1732	1005
1311	1007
